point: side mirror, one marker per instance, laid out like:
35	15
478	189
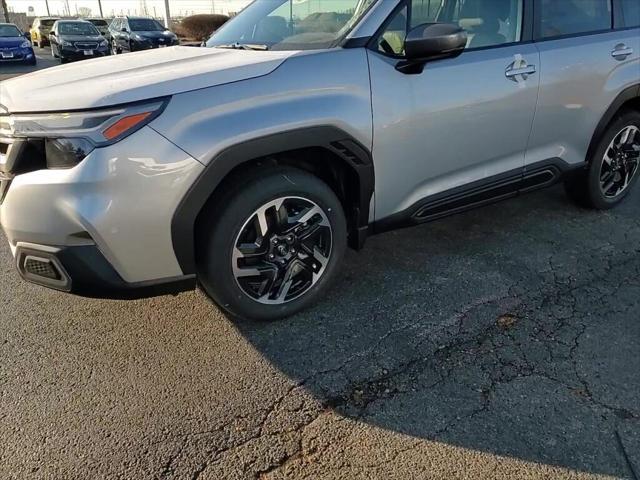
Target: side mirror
27	35
432	41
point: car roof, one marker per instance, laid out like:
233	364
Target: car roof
12	24
47	18
73	20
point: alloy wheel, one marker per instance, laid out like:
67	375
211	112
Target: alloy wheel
620	162
282	250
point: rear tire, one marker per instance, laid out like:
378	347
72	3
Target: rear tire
613	168
271	243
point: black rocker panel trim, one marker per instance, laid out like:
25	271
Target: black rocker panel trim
479	193
356	155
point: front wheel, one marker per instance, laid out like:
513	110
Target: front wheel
613	167
271	244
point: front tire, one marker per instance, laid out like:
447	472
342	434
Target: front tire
270	244
613	166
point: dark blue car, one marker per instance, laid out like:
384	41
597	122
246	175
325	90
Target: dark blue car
14	46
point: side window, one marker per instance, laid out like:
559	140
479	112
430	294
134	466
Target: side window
630	14
488	23
392	39
425	11
571	17
115	25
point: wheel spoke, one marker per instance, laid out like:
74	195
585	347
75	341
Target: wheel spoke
309	214
626	136
263	224
608	158
608	186
606	177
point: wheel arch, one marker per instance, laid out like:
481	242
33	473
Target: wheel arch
316	149
629	97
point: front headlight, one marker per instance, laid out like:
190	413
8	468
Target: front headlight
25	44
138	37
104	43
64	43
71	136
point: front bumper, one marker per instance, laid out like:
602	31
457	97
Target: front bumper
106	223
17	55
75	54
137	45
84	271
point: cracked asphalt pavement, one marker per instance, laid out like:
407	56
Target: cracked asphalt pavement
500	343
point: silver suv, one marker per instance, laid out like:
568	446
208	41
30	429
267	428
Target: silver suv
249	166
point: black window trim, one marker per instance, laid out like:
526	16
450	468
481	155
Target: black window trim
537	38
528	15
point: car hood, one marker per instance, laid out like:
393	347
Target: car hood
133	77
11	41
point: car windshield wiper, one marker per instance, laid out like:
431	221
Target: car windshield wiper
243	46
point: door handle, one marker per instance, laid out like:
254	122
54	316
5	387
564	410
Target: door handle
621	52
523	71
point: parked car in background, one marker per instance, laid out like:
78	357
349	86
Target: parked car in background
40	30
131	34
102	25
77	40
14	45
248	167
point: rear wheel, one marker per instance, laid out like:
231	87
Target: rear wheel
272	244
613	167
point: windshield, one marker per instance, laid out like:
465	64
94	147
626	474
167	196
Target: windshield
48	22
291	24
9	31
99	23
77	28
145	25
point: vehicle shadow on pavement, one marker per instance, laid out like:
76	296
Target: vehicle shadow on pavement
511	330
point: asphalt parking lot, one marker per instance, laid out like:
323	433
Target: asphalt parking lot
500	343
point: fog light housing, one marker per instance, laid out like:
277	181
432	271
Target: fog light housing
66	152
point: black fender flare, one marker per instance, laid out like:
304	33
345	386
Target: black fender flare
629	93
337	141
